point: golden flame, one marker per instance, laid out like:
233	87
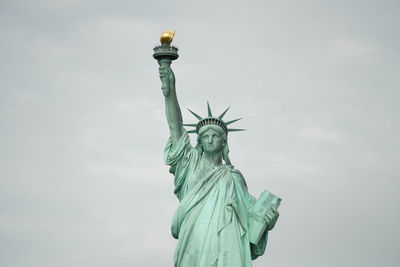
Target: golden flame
167	36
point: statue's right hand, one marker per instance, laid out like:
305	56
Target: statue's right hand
167	79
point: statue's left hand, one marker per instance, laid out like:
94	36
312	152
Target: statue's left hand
272	216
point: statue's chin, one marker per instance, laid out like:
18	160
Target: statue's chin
212	151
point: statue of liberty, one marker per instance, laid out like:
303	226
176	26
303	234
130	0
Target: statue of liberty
217	222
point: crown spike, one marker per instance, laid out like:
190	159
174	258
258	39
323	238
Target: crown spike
194	114
209	110
232	121
192	131
236	130
223	113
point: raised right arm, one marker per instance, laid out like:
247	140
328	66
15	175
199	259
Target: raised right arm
172	109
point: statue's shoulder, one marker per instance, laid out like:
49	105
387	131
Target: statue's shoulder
236	175
236	171
231	169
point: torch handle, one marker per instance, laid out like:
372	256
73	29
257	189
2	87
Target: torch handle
165	62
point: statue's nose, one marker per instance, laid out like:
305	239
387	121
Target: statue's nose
209	139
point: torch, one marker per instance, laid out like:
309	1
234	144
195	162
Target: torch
164	54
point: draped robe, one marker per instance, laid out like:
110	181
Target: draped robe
212	219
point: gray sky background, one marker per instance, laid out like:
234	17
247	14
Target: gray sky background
82	126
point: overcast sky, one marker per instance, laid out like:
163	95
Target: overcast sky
82	126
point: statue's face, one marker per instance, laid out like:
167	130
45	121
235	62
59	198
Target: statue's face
211	141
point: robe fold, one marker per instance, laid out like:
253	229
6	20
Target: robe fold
212	219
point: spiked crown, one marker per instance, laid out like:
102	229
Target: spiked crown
210	120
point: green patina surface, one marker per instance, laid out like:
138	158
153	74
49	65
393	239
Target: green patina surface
217	221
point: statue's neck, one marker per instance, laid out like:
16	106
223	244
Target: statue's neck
211	159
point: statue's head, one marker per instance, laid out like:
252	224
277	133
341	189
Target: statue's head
211	139
212	133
